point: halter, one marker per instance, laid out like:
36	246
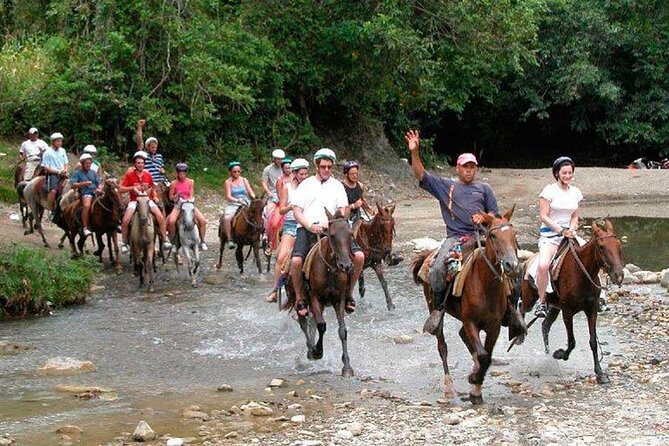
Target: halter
249	222
334	254
492	267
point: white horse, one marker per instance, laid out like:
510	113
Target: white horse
188	238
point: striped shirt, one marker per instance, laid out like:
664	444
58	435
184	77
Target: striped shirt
152	165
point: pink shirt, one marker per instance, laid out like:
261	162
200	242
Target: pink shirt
184	189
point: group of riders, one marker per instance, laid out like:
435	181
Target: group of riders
298	205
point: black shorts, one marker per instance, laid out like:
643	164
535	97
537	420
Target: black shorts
52	182
304	240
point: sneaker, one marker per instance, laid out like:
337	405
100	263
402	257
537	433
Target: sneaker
203	246
125	248
167	244
541	310
232	245
87	232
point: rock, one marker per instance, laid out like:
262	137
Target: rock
224	388
69	430
13	347
213	279
74	388
235	410
344	434
195	414
143	432
664	278
425	243
308	443
276	382
298	419
299	382
355	428
295	407
257	410
647	276
403	339
292	393
628	277
232	434
97	288
175	442
7	440
631	267
65	366
452	420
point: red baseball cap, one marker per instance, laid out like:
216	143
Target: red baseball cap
467	158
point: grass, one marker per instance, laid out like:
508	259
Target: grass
33	280
7	192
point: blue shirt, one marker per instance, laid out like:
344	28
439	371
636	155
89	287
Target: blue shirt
153	164
80	175
459	201
54	159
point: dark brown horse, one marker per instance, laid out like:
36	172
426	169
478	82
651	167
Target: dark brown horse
484	302
577	289
328	284
375	238
247	228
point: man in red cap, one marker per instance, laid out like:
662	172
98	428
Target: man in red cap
461	200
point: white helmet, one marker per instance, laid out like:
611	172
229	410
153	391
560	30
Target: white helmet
55	136
141	154
278	153
84	157
325	153
90	149
299	163
150	140
33	130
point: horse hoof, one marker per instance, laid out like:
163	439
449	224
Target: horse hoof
218	266
119	272
603	379
347	372
472	378
559	354
193	285
152	289
61	246
46	245
391	307
476	400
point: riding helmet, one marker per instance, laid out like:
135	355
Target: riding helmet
181	167
232	164
299	163
90	149
348	165
562	161
278	153
325	153
140	154
286	160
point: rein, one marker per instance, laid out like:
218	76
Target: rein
492	267
254	225
598	258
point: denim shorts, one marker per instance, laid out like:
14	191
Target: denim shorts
290	227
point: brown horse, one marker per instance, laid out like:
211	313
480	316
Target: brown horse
375	238
35	194
143	241
247	228
328	284
484	303
577	289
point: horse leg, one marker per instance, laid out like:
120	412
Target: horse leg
38	226
378	269
223	239
239	255
347	370
481	360
114	239
553	313
176	255
150	272
256	255
602	378
101	246
306	324
568	319
317	311
62	240
485	358
361	285
449	388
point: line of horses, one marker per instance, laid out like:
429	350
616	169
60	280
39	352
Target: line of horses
484	304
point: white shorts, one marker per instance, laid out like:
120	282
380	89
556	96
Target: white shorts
231	209
133	205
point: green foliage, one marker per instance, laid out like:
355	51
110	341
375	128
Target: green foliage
33	280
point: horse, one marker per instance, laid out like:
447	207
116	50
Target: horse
35	194
484	303
247	229
19	187
375	238
143	241
328	284
188	238
577	288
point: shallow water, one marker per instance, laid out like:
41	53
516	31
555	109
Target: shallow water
173	349
645	241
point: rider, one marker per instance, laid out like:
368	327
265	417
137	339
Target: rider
95	166
31	152
138	181
181	190
312	197
300	171
87	182
56	165
461	200
238	191
558	209
276	218
270	175
154	164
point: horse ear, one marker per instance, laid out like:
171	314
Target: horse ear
597	229
391	209
330	216
487	218
509	213
608	225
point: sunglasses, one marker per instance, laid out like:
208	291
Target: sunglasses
325	167
236	171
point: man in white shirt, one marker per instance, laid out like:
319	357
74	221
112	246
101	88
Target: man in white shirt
56	165
312	197
31	152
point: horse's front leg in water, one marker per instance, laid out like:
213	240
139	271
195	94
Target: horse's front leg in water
568	319
361	285
449	388
602	378
239	255
317	311
256	256
378	269
347	370
552	315
479	357
306	323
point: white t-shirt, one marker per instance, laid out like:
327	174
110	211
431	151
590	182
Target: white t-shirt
314	196
563	203
32	150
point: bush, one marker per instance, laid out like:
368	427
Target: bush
32	280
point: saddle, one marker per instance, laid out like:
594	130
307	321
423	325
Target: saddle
308	260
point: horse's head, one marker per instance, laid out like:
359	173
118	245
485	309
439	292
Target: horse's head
188	215
255	211
339	235
143	210
111	189
385	223
501	240
609	250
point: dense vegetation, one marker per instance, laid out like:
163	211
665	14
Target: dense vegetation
33	281
231	78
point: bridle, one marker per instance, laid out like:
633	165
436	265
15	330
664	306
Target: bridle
600	260
365	246
493	268
330	268
252	224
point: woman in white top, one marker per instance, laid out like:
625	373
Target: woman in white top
558	209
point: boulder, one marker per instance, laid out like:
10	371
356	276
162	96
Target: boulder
344	434
224	388
355	428
425	243
403	339
143	432
65	366
175	442
69	430
74	388
13	347
631	267
256	409
195	413
664	278
7	440
628	277
647	276
276	382
298	419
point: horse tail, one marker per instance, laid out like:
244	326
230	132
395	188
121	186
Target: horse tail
417	264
